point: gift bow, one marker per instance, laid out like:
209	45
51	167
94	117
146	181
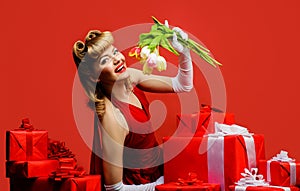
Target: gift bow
224	130
58	149
191	180
26	125
251	178
282	157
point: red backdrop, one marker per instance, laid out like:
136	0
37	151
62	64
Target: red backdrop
257	42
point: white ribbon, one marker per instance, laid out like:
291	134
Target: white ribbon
215	151
215	160
251	178
283	157
244	188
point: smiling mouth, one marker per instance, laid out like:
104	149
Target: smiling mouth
120	68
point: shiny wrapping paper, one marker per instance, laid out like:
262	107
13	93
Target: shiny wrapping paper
197	124
30	169
280	173
26	145
86	183
173	186
262	188
215	160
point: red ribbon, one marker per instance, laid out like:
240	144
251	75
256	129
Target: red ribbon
191	180
62	174
58	149
26	125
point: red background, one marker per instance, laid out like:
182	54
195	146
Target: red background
257	42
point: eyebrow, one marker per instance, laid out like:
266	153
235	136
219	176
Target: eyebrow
107	54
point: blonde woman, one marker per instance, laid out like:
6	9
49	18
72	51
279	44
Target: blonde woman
132	159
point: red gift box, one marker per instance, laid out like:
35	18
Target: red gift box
217	161
86	183
26	145
262	188
30	169
280	173
67	163
173	186
198	124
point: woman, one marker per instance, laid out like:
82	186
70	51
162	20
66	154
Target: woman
132	158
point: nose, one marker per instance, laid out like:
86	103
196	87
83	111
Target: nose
116	59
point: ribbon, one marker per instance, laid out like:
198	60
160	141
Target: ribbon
215	150
191	180
26	125
61	174
244	188
215	157
58	149
283	157
251	178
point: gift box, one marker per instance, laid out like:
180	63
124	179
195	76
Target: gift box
214	159
86	183
30	169
174	186
251	180
201	123
280	172
262	188
26	145
67	163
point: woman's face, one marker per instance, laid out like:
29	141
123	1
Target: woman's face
111	66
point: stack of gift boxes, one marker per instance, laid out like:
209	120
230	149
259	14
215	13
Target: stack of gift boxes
222	156
35	163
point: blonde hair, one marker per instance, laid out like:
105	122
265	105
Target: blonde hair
85	54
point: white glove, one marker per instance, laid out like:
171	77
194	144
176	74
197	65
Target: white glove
141	187
183	82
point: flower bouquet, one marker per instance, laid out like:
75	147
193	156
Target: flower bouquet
147	50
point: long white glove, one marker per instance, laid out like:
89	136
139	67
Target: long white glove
183	82
141	187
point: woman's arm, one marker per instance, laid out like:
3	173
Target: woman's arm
113	131
182	82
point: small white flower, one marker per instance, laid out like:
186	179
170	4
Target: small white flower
152	60
161	63
145	52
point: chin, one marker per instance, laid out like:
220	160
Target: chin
122	76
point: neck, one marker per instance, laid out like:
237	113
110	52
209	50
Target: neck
118	89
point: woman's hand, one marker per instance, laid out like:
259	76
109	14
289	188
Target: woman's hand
183	82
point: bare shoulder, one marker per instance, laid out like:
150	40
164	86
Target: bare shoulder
135	74
113	118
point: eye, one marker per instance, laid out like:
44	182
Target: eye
116	51
104	60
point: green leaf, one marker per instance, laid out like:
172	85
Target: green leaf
155	42
145	42
166	44
144	36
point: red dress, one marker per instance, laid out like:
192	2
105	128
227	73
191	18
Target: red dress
142	157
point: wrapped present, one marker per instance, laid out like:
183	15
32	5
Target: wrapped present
252	181
281	170
191	183
263	188
201	123
67	163
216	158
30	169
86	183
26	144
174	186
